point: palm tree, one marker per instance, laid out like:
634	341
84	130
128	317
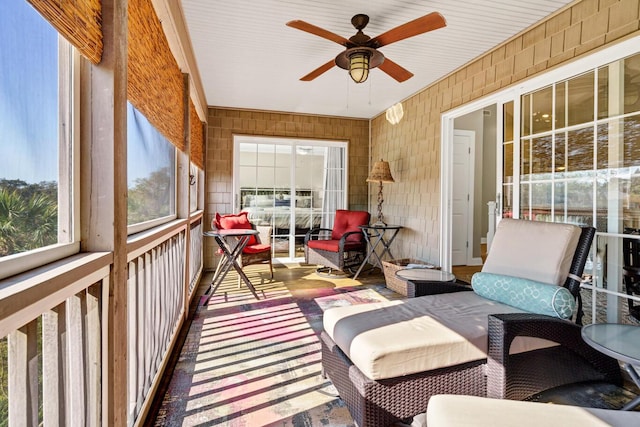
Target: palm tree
27	222
40	222
11	208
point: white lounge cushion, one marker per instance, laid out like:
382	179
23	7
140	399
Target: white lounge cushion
534	250
396	338
463	411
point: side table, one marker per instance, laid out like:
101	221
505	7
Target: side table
426	281
622	342
375	235
231	243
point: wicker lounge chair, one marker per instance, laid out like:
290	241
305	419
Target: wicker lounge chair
341	248
378	393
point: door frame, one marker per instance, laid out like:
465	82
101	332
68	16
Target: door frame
446	163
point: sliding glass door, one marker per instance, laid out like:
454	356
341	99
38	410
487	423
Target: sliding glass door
290	184
580	163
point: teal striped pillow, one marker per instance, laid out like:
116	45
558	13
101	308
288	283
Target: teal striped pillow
525	294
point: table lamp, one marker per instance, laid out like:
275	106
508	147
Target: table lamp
380	173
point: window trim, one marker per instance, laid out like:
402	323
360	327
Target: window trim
68	171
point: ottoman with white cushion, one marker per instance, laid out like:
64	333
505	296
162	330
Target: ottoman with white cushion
472	411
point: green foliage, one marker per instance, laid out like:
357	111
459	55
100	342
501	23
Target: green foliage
151	197
28	215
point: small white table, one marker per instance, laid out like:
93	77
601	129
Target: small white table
231	243
622	342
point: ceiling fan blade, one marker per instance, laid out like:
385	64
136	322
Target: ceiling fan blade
427	23
321	69
394	70
310	28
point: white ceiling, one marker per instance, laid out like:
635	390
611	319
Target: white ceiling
248	58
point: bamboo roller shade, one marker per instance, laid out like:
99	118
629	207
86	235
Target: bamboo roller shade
155	82
78	21
197	137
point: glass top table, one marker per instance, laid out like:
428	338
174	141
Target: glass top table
426	275
622	342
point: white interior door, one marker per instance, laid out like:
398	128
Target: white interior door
463	141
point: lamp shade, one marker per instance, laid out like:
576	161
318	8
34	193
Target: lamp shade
380	172
359	66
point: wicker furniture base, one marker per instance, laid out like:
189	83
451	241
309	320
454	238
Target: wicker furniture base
395	283
384	402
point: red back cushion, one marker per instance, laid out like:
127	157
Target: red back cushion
235	222
346	221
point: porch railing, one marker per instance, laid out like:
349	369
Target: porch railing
54	330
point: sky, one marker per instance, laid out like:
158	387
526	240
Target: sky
28	94
29	104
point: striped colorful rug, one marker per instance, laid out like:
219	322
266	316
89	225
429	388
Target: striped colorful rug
257	363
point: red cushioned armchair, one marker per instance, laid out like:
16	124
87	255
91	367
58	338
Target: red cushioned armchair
341	248
258	250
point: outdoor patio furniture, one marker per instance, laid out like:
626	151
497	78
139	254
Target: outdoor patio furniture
387	359
445	411
631	269
257	249
341	248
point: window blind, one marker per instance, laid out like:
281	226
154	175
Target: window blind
155	83
197	137
78	21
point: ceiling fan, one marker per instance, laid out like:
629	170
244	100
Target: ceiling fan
362	52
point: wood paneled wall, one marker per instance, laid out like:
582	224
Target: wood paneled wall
224	123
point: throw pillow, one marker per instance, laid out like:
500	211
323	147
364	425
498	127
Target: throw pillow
235	222
525	294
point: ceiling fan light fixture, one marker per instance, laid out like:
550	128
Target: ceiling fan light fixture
359	66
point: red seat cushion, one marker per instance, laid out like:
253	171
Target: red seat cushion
235	222
346	221
333	245
256	249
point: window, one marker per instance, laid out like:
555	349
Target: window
291	185
580	149
36	130
151	174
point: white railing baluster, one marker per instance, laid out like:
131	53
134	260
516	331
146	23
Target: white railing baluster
23	376
53	328
93	328
75	360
